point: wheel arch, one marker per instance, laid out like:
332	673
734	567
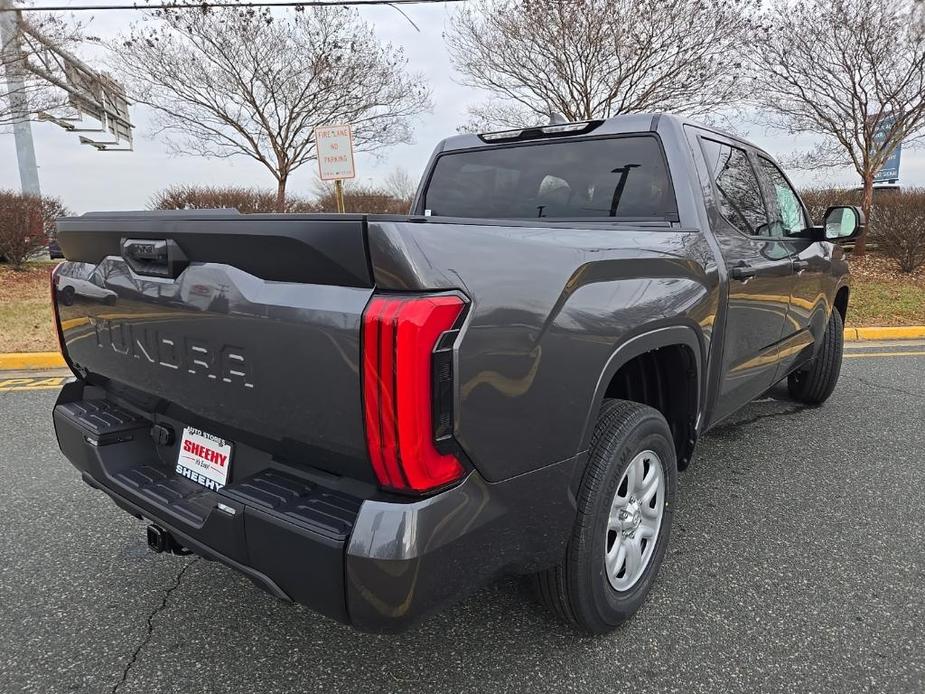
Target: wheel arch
635	347
840	303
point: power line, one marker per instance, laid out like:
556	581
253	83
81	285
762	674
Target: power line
208	4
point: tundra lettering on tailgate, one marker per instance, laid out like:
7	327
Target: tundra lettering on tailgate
197	356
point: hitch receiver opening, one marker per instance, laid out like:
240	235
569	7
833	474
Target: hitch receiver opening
159	540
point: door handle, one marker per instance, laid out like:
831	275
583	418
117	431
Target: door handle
800	265
743	271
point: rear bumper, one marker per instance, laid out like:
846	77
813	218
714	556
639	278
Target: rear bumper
373	563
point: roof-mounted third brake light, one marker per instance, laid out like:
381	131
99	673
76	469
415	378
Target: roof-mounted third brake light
558	129
502	135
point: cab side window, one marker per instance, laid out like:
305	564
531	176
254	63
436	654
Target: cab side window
789	217
738	193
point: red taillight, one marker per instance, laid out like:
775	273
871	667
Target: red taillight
399	335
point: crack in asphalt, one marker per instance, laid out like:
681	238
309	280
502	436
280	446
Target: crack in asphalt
150	626
730	426
883	386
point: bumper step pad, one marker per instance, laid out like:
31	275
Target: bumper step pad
102	421
325	511
161	487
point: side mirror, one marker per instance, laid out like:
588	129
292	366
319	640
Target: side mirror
843	223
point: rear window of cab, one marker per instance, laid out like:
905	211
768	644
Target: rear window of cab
619	178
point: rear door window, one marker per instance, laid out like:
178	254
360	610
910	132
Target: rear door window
621	178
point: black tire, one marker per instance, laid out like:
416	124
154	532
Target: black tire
67	295
578	590
814	383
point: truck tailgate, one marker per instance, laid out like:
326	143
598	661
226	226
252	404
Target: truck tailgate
249	330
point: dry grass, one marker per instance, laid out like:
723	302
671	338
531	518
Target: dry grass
25	310
880	295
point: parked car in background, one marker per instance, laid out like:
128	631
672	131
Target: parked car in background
70	286
384	413
54	250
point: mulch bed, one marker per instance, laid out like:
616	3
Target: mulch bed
878	268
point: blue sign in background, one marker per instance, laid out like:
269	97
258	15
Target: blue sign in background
890	169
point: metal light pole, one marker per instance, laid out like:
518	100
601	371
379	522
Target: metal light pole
19	106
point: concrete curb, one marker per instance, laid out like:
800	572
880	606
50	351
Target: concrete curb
908	332
26	361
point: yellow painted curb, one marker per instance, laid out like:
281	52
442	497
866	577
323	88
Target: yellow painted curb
907	332
21	361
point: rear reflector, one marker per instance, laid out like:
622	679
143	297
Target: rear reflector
399	336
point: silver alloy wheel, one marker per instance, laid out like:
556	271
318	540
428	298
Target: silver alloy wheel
634	521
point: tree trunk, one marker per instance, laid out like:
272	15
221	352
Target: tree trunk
867	204
281	194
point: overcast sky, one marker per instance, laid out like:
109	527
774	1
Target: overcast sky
86	179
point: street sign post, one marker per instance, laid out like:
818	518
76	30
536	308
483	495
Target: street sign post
12	60
334	146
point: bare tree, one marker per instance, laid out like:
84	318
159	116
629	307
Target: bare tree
400	185
598	58
841	70
226	82
23	93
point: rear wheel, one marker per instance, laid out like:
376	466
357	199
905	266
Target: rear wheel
814	383
625	507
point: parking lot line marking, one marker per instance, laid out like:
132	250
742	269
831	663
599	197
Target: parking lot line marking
28	383
20	388
868	355
881	344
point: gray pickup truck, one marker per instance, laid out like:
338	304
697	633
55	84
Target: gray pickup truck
375	415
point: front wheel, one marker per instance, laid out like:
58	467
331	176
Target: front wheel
625	507
66	294
814	383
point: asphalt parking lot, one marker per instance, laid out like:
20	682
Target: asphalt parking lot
797	564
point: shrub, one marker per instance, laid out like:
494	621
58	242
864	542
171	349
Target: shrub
26	223
358	198
818	200
361	199
245	200
900	228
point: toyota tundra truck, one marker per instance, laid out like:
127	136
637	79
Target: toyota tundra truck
373	415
